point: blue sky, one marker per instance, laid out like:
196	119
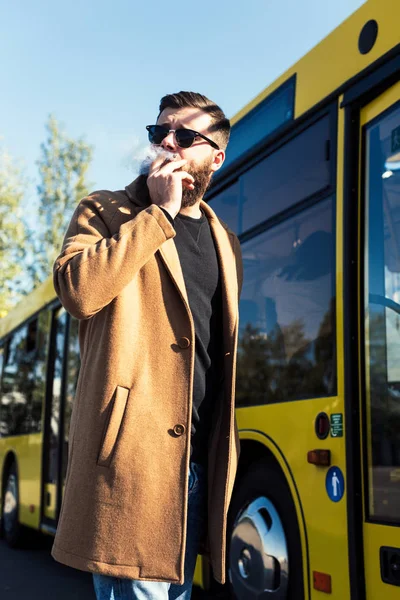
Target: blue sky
101	67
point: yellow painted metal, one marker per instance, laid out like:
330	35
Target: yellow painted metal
336	59
380	104
375	535
198	573
28	452
288	431
49	509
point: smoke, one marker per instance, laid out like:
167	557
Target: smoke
151	153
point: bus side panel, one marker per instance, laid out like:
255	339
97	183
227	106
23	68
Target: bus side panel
28	452
326	530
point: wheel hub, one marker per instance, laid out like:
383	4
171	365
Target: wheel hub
258	561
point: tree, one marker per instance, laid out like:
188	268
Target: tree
12	230
62	167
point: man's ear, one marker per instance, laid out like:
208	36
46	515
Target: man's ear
219	158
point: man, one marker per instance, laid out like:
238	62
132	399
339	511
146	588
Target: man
153	276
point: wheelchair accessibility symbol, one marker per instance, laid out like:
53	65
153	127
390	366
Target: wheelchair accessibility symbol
335	484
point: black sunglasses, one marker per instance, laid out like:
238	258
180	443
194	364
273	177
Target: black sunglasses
184	137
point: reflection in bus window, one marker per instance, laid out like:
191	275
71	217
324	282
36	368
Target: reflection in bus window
24	376
16	386
286	343
295	171
39	366
382	312
73	362
226	205
60	320
1	363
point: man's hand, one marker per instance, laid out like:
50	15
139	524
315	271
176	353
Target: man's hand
166	182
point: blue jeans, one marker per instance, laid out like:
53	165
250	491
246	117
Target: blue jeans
115	588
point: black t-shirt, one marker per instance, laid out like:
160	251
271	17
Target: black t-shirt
199	262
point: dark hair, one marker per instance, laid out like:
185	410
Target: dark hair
220	125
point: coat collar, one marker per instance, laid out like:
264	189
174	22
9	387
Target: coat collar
224	242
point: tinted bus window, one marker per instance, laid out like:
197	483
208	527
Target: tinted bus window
39	365
73	365
259	123
1	361
226	205
16	385
382	317
294	172
58	342
286	337
24	378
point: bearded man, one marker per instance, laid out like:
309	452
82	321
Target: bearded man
154	278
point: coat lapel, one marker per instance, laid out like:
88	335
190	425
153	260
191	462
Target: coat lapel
224	244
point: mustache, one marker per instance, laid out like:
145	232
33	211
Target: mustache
153	152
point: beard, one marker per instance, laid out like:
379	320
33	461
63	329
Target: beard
202	177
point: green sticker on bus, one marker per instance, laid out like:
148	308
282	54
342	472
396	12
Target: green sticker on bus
396	139
337	425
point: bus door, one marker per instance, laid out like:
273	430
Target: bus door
380	342
51	496
63	375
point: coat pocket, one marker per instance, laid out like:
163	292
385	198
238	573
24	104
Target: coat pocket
113	426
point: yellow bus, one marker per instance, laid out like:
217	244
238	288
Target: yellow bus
311	186
39	367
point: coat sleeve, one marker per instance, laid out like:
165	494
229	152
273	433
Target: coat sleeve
94	267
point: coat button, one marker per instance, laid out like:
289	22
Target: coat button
179	429
184	342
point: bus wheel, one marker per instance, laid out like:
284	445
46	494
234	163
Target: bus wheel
264	547
11	526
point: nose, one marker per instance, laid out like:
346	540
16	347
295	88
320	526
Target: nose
169	142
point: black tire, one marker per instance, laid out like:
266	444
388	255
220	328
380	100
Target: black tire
12	529
264	479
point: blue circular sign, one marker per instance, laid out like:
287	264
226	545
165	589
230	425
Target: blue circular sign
334	484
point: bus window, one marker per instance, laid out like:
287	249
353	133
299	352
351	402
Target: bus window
286	337
261	121
1	362
292	173
382	316
39	365
226	205
58	349
31	339
73	362
16	385
24	377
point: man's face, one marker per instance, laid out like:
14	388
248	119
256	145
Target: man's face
202	158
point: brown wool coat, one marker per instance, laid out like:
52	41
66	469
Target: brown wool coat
125	501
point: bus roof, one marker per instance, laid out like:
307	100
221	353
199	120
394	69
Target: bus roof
28	306
336	59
